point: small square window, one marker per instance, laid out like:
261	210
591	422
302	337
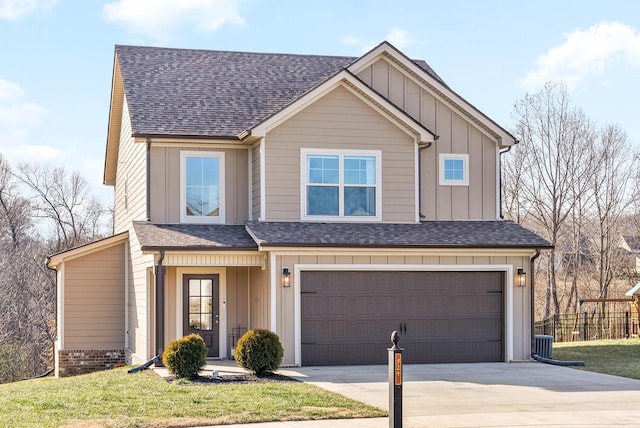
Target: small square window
454	170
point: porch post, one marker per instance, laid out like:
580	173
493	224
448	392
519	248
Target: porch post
159	274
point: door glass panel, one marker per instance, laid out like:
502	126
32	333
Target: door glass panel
194	321
206	287
194	305
194	287
206	305
201	304
206	322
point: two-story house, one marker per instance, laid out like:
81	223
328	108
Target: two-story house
329	199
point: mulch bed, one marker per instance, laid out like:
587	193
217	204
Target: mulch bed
243	378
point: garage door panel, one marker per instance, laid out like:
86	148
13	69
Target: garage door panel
347	317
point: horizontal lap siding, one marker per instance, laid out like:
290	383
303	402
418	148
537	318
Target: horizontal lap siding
165	184
339	121
130	197
94	300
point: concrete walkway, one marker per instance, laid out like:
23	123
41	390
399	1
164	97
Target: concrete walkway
478	395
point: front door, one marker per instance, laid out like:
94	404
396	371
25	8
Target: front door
201	309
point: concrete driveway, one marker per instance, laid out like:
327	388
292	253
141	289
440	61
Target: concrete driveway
476	395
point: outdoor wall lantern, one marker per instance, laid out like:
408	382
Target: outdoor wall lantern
522	277
285	277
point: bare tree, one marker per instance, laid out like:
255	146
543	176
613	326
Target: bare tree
42	211
64	199
556	139
613	201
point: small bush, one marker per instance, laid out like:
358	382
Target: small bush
259	351
185	357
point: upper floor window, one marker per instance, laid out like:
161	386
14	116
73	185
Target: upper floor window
454	170
201	187
341	185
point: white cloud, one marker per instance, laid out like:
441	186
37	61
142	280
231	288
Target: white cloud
586	53
158	18
397	37
400	38
16	9
17	117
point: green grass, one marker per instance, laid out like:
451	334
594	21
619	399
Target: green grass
115	398
616	357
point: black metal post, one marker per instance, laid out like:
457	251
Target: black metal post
395	382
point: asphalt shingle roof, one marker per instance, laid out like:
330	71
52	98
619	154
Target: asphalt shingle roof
193	237
429	234
204	93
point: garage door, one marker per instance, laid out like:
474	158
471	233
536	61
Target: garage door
348	317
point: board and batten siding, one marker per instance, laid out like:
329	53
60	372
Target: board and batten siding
458	135
340	121
130	193
94	303
165	184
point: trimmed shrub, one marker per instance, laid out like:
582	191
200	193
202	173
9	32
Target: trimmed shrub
185	357
259	351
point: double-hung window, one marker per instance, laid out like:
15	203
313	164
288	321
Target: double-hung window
341	185
201	187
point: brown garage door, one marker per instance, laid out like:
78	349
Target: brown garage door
348	317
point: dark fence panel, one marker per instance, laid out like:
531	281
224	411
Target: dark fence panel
572	327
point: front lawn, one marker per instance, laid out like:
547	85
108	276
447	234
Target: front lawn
617	357
115	398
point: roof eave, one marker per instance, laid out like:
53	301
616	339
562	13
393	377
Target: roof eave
505	138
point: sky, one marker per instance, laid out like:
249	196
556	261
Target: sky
56	56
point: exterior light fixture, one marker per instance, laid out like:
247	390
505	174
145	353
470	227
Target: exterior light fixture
285	277
522	277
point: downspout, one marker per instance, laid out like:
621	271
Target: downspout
420	149
159	274
503	151
534	354
148	179
532	286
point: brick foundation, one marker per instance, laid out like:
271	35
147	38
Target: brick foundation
72	362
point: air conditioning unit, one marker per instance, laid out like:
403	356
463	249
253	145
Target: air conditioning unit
544	345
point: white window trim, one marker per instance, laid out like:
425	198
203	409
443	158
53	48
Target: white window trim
451	156
341	153
183	180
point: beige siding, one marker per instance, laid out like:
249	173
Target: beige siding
339	121
237	298
520	295
457	134
140	301
255	182
259	298
130	194
165	184
94	295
